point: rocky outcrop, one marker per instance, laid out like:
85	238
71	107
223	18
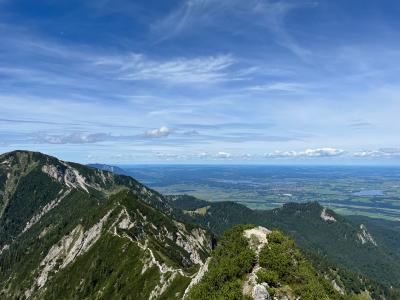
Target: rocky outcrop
197	277
326	217
4	248
257	237
66	175
193	242
260	292
54	172
66	251
365	237
47	208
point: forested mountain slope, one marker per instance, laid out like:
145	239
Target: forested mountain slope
256	263
69	231
347	242
72	232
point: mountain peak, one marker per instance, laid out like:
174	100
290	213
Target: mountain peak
308	209
271	266
58	218
305	206
18	154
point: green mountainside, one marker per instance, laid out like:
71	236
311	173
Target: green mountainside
255	263
73	232
357	244
69	231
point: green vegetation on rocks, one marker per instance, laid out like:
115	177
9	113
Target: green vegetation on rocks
59	218
285	270
230	262
372	266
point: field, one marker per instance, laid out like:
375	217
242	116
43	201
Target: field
369	191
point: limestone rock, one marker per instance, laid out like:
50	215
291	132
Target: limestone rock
260	292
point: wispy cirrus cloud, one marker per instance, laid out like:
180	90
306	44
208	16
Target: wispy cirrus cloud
358	125
20	121
71	138
227	125
79	66
191	133
197	14
97	137
175	70
241	77
285	87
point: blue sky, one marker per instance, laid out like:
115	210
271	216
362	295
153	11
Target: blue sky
224	81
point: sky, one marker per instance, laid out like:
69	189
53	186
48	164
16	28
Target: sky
202	81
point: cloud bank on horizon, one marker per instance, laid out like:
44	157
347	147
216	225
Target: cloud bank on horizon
258	81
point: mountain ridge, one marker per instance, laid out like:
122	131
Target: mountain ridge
58	213
59	218
342	240
110	168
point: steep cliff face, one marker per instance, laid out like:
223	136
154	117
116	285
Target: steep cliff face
70	231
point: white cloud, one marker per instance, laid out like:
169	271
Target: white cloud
222	154
381	153
193	15
177	70
72	138
391	151
318	152
322	152
168	156
203	155
367	153
287	87
163	131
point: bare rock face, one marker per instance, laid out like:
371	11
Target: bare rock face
257	237
66	175
326	217
365	237
53	172
260	292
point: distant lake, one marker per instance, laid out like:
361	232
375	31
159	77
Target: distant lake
185	191
369	193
